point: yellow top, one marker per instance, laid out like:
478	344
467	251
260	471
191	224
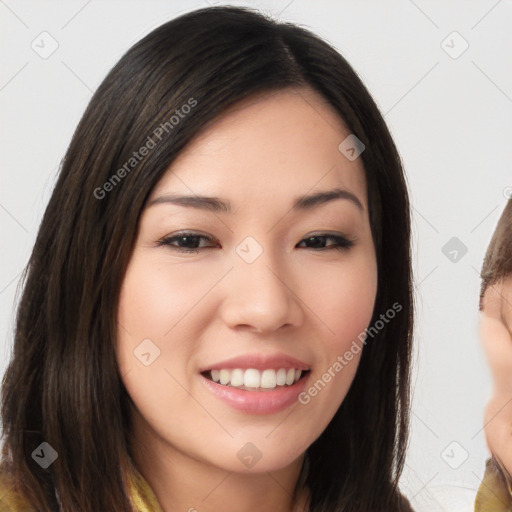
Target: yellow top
142	497
495	492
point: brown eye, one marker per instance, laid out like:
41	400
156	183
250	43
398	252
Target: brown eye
318	242
185	242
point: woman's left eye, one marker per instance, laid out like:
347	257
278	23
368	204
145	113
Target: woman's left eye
340	242
191	242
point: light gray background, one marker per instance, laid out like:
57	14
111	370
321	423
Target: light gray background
450	117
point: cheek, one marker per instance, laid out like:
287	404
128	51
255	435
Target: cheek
343	301
151	305
143	302
155	296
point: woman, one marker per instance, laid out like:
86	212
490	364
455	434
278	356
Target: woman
495	491
218	309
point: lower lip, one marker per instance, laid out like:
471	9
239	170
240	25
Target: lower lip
258	402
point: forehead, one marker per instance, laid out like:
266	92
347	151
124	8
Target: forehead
274	145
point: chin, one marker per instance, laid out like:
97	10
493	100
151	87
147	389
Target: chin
254	457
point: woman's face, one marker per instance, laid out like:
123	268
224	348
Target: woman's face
266	286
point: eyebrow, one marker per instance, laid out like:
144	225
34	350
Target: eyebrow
215	204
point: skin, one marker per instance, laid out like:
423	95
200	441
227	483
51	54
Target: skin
495	330
206	307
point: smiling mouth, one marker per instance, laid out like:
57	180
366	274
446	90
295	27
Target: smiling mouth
256	380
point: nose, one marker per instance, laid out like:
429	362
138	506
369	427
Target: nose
261	296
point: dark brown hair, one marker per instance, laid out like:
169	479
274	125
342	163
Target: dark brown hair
498	258
63	386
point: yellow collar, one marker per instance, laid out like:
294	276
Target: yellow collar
141	496
495	492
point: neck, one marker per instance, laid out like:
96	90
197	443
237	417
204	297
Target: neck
183	483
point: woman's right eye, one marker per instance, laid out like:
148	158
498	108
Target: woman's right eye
189	242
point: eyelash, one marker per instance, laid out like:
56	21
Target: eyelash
342	243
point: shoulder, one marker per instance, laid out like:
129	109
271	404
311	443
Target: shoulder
11	500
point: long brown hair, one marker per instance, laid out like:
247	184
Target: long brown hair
497	262
63	386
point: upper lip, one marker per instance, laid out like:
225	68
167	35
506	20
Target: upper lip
258	362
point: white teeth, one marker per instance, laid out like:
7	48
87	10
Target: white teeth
237	377
281	377
252	378
268	379
225	376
